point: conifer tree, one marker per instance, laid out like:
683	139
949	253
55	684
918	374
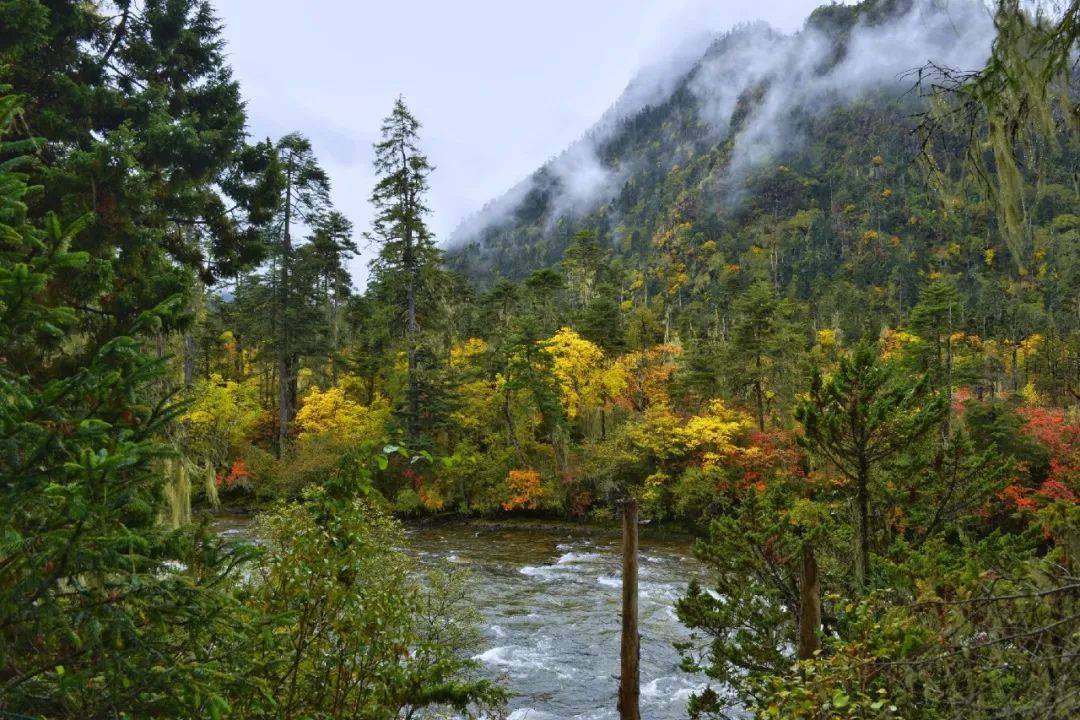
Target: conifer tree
581	265
601	321
544	289
762	342
407	246
305	199
145	128
860	417
701	372
103	611
330	247
935	318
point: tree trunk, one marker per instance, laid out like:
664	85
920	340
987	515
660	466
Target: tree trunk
946	430
189	359
414	394
238	359
511	430
285	387
629	677
562	467
283	404
809	604
759	398
335	338
293	364
412	267
1015	375
862	500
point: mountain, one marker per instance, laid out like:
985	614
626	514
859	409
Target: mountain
757	124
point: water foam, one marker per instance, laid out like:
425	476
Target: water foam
543	572
667	592
671	688
529	714
519	659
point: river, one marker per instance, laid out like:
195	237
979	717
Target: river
550	601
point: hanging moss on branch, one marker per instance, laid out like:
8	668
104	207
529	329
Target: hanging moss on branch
1011	111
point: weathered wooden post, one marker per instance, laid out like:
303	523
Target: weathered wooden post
630	676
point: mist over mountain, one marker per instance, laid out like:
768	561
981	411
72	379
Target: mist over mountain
724	110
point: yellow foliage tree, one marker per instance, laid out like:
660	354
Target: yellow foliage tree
895	343
477	394
466	353
709	436
586	382
335	414
221	419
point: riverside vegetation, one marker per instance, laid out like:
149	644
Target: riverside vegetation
856	380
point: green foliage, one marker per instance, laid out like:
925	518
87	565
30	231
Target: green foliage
749	612
762	344
104	610
143	127
973	613
858	418
356	632
407	250
1020	99
961	642
864	413
399	195
107	612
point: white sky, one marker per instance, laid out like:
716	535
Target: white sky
500	86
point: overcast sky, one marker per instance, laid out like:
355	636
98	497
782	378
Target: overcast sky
499	85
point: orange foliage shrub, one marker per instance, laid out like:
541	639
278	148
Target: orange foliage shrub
1050	428
768	454
648	374
431	499
580	502
237	476
525	490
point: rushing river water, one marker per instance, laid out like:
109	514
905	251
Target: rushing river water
551	604
550	600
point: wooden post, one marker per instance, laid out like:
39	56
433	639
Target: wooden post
630	656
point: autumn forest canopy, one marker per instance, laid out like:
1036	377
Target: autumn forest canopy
810	305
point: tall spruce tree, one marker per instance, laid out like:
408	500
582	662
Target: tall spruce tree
145	129
305	198
407	246
861	416
763	342
330	247
105	613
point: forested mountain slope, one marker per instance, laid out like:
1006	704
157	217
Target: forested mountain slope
797	158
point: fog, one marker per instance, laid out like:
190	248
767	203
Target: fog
798	74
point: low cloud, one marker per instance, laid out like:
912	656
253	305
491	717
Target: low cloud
794	74
790	68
